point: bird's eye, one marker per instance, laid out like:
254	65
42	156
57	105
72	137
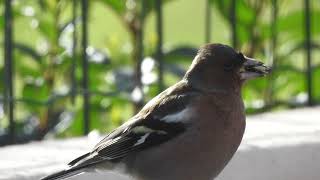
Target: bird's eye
228	67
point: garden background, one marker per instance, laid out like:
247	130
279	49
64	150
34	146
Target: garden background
71	66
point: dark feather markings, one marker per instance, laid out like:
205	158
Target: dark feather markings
73	162
76	169
128	143
123	140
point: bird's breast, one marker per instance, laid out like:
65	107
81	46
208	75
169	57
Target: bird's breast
221	129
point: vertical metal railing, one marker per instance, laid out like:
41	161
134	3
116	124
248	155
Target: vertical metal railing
207	29
140	55
74	51
85	68
273	49
274	33
9	66
308	49
140	42
233	16
159	53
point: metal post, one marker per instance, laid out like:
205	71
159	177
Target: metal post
308	51
140	43
74	52
274	15
233	19
208	22
140	55
273	59
8	58
159	43
85	68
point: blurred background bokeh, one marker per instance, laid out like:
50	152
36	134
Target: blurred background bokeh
68	67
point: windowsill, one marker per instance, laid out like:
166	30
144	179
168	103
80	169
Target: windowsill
279	146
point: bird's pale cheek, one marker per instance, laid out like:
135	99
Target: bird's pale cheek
249	75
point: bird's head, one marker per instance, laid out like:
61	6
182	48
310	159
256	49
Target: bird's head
219	67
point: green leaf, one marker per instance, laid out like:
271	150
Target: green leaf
1	77
47	29
119	6
316	84
27	66
289	85
292	26
1	24
32	90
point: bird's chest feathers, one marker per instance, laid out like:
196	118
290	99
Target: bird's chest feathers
221	117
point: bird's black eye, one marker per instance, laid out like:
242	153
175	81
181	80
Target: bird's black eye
228	67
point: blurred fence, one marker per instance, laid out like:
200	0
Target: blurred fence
9	99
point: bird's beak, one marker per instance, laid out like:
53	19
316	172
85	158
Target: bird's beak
252	68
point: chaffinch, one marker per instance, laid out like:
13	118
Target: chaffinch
190	131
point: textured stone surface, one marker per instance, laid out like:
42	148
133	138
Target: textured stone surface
279	146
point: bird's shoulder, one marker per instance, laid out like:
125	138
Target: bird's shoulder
173	99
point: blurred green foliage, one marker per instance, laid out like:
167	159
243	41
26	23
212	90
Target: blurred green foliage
43	57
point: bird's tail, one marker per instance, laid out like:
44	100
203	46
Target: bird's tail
76	166
63	174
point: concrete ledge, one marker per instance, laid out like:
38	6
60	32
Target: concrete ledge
277	146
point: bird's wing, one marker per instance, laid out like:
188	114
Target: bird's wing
156	123
144	132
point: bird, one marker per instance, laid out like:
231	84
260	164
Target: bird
190	131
